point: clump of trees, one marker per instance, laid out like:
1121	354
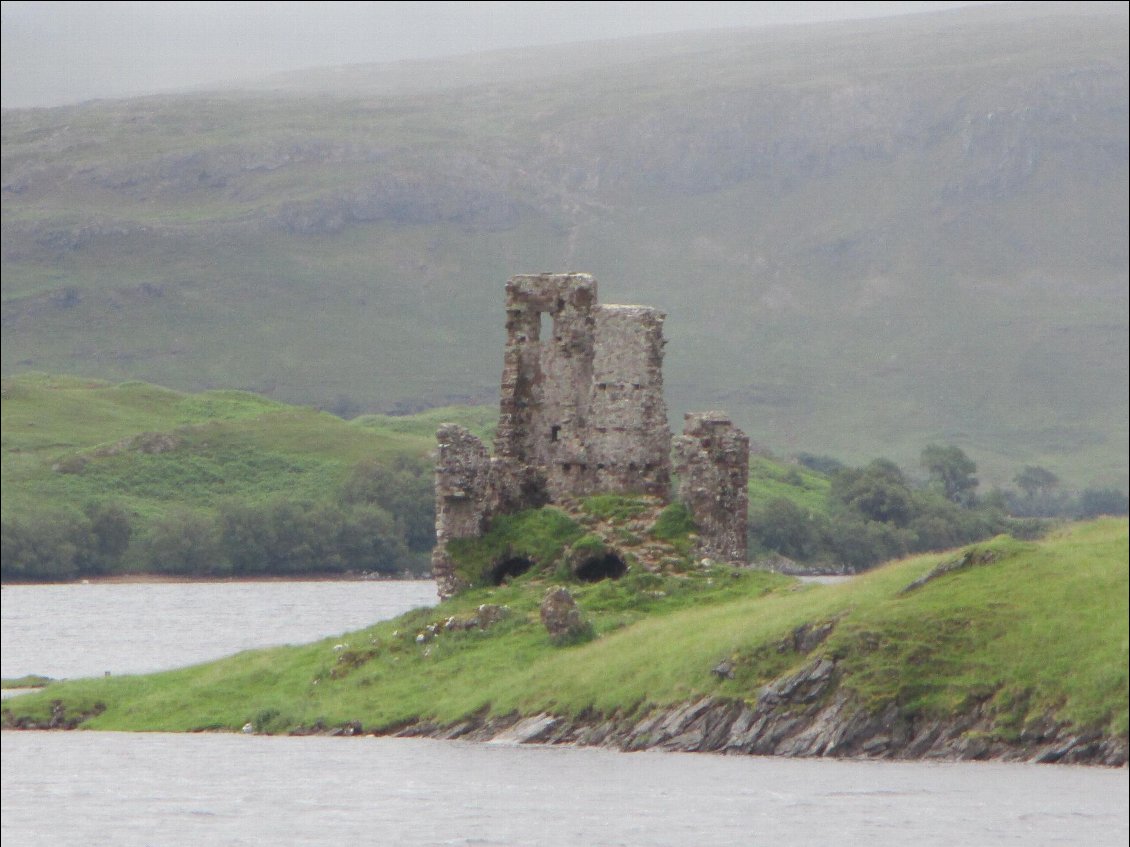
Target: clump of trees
876	512
1040	494
64	544
380	520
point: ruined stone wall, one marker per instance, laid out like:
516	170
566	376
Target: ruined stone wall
712	462
582	394
629	439
465	497
582	412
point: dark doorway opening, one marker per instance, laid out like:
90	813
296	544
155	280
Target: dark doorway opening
508	568
604	566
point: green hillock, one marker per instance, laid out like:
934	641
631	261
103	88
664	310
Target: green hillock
771	480
103	478
1019	631
116	478
532	539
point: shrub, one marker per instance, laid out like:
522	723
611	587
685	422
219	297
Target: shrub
826	465
1094	502
43	546
859	544
403	487
111	531
951	471
783	526
877	492
613	507
60	544
539	535
185	542
674	523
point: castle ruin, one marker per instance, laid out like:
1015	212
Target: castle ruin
582	412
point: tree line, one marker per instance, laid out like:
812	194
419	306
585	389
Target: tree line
876	512
380	520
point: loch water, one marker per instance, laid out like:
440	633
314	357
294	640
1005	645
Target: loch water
95	788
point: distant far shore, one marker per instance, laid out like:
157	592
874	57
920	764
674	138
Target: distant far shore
147	578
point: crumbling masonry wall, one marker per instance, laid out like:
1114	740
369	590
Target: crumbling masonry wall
712	463
464	498
582	394
581	412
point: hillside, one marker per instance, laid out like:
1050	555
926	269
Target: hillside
107	479
181	467
102	479
224	483
1007	649
868	236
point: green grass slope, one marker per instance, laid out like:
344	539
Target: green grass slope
67	439
229	443
101	478
155	452
868	236
1035	629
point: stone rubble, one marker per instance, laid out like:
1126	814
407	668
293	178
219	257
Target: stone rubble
560	615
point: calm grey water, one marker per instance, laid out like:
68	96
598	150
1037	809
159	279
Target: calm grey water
87	788
67	631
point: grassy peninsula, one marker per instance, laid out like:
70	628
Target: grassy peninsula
1006	646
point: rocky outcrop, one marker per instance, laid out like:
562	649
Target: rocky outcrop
60	718
560	615
968	559
805	713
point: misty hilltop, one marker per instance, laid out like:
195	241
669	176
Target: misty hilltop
868	236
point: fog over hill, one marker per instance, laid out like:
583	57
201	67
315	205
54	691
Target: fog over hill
868	235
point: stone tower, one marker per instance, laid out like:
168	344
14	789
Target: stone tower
581	412
582	405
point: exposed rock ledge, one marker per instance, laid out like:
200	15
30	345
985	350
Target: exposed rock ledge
805	713
802	714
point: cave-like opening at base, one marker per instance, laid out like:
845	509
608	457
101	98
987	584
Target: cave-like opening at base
604	566
509	567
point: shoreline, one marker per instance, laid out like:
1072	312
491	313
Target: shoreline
172	579
803	714
948	657
806	713
723	727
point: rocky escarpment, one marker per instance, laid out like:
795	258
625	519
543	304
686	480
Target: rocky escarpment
804	713
61	717
808	711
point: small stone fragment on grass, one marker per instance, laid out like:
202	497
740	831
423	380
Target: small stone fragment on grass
560	615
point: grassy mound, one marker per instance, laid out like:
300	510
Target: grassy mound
103	478
1030	629
66	439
